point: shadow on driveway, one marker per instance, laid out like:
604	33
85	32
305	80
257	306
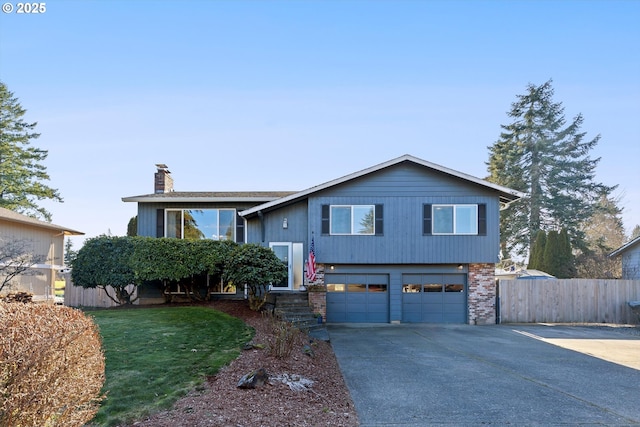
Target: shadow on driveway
416	375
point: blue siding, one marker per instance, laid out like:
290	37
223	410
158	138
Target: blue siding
403	190
296	230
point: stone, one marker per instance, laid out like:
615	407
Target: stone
308	350
254	379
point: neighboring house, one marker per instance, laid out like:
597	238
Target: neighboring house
630	253
43	241
403	241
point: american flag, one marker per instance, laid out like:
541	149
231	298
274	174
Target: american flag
311	263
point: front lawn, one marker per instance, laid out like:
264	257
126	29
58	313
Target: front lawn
156	355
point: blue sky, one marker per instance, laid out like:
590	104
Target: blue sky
285	95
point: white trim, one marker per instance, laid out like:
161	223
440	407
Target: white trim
454	218
507	194
351	225
624	247
289	246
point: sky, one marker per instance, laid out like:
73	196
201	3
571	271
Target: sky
284	95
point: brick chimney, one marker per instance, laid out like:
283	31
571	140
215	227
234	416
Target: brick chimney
163	182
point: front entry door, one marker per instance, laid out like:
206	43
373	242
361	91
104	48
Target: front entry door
283	252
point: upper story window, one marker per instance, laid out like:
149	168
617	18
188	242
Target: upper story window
217	224
352	219
455	219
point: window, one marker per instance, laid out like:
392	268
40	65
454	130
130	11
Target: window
352	219
219	287
217	224
356	219
455	219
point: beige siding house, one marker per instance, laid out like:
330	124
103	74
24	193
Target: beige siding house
45	241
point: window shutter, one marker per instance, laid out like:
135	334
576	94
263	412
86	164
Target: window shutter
379	226
482	219
325	219
159	222
426	219
239	229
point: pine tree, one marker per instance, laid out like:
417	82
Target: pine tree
548	160
22	174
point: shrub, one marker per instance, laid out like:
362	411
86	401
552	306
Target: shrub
255	267
283	336
23	297
51	366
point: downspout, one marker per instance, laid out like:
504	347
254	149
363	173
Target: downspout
505	206
261	216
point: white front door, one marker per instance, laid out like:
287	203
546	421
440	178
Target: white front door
283	251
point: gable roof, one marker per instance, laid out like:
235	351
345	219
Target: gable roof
11	216
507	195
209	196
622	249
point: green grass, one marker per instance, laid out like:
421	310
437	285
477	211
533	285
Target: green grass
156	355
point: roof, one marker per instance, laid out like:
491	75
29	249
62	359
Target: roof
209	196
11	216
521	273
622	249
507	195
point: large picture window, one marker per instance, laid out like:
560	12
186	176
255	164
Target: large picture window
455	219
352	219
216	224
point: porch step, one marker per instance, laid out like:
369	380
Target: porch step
294	307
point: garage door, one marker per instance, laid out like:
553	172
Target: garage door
357	298
434	298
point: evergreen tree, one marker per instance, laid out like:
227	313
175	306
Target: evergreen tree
552	253
565	265
548	160
636	232
536	258
132	227
22	174
69	253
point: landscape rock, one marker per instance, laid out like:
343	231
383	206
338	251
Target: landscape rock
254	379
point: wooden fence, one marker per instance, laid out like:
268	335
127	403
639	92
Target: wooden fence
77	296
568	301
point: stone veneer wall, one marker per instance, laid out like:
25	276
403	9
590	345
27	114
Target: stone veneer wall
318	300
482	294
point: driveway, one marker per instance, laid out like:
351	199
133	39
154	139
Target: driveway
417	375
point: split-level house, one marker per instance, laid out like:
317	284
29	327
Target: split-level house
406	240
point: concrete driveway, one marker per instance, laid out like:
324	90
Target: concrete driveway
417	375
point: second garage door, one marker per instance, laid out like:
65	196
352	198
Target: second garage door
434	298
357	298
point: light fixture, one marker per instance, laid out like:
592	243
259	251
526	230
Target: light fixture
459	266
285	223
332	267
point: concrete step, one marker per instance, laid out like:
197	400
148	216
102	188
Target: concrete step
294	307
